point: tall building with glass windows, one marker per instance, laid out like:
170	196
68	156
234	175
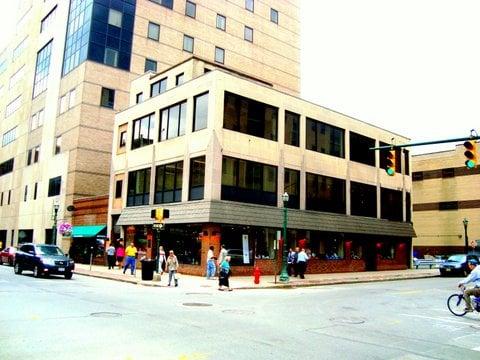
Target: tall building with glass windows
67	71
218	149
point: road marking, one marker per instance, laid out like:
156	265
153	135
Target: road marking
476	348
439	319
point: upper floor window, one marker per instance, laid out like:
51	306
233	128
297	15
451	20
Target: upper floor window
250	116
360	149
363	199
143	131
158	87
173	119
118	189
54	186
197	178
138	190
13	106
19	49
179	79
292	129
274	16
15	78
248	34
33	155
249	4
325	138
139	98
111	57
188	43
123	139
153	31
166	3
325	193
292	188
219	55
9	136
190	9
391	204
200	117
58	145
48	20
150	65
6	167
42	69
108	98
168	183
35	191
114	17
221	22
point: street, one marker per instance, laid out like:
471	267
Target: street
90	318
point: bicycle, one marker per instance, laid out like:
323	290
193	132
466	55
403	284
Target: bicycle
457	305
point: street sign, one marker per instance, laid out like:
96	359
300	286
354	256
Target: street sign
158	226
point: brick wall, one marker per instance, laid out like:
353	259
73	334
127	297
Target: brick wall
90	211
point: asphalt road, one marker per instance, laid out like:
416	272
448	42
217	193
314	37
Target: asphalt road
89	318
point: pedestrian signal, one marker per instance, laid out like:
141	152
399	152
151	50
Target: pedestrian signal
470	153
390	163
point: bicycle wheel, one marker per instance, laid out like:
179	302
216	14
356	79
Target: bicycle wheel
456	304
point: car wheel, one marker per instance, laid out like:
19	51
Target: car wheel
68	275
36	272
17	269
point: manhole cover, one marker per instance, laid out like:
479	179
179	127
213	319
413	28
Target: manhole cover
106	314
238	312
349	320
196	304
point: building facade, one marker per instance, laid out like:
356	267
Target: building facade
219	148
445	194
68	69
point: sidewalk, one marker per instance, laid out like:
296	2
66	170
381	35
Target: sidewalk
267	281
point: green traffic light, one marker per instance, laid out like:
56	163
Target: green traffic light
470	164
390	171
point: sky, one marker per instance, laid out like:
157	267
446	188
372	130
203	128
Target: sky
409	66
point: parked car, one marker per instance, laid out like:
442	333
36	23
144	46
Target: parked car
7	255
456	264
43	259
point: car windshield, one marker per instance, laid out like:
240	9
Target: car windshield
49	250
459	258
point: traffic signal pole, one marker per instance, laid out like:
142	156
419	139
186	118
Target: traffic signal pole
389	147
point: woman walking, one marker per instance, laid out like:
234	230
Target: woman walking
162	260
172	267
120	254
223	278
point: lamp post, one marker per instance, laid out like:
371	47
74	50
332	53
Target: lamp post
284	274
56	206
465	226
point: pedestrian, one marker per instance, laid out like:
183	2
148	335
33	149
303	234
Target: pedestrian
222	255
120	253
295	261
172	267
224	275
302	263
162	260
111	256
211	268
291	258
130	261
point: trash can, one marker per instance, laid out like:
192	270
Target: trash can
147	269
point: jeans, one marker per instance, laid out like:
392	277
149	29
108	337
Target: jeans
172	274
129	263
211	268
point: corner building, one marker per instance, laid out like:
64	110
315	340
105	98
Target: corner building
67	71
219	148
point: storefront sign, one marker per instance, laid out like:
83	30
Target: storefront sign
246	252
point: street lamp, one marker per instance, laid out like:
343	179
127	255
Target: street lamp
284	273
56	206
465	226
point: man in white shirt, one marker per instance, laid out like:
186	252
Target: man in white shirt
302	258
474	278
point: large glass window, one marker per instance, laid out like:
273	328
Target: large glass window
143	131
111	57
168	183
250	117
363	199
138	190
186	241
173	119
325	193
114	17
391	204
200	112
6	167
325	138
41	69
248	181
153	31
292	188
360	149
197	178
292	128
158	87
54	185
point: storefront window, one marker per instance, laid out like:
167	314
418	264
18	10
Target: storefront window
326	246
185	241
356	252
386	250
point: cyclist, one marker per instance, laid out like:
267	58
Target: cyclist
474	277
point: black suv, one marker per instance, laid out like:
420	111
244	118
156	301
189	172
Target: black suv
43	259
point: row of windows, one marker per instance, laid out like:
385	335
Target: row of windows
33	155
168	183
42	69
5	197
54	185
172	122
13	106
34	195
37	119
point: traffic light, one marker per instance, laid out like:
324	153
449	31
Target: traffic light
160	214
470	153
390	163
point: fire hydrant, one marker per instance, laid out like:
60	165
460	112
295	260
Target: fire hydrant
256	275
